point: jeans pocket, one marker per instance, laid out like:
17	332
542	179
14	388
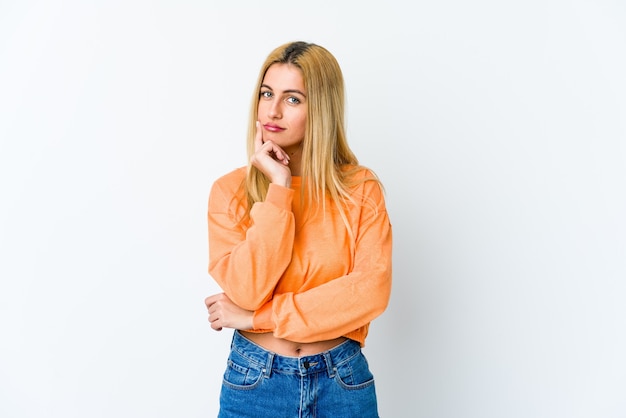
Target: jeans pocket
354	373
241	373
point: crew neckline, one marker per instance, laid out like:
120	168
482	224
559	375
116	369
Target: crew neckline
296	180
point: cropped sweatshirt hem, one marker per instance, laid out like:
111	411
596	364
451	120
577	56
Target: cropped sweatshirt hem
263	323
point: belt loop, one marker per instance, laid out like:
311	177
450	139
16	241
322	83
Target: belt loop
329	364
267	371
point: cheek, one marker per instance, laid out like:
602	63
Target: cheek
302	123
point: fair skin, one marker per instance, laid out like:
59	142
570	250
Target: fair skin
281	124
282	116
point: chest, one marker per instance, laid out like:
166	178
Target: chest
322	250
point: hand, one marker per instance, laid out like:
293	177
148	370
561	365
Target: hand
223	313
271	159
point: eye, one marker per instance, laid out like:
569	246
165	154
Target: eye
293	100
265	94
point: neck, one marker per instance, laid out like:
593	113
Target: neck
294	166
295	160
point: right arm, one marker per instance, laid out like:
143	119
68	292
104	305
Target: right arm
248	262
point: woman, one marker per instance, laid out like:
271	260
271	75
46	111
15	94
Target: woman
300	243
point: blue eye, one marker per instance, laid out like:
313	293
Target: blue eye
293	100
266	94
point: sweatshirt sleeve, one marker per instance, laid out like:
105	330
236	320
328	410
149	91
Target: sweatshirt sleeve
345	303
247	260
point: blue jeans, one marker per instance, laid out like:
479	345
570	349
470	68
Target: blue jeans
258	383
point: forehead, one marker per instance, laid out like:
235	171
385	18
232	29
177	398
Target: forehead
284	77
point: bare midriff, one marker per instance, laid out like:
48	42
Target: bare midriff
291	348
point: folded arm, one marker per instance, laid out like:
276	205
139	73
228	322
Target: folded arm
345	303
247	260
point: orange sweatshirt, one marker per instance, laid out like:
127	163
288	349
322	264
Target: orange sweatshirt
299	270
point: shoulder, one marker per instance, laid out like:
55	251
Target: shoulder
235	176
364	186
231	180
228	186
367	174
361	177
356	171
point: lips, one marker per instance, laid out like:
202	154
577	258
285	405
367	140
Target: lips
273	128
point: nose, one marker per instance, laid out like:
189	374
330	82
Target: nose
274	111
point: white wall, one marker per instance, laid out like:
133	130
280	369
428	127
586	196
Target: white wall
498	129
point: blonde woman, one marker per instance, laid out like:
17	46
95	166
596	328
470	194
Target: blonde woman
300	243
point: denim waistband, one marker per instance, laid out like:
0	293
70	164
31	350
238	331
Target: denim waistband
269	361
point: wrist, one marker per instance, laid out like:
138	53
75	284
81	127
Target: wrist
282	181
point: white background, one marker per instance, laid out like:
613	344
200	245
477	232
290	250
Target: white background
498	129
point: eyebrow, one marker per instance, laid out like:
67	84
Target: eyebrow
286	91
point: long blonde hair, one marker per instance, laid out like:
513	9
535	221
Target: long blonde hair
328	163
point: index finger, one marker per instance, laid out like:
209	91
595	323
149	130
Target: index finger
212	299
258	138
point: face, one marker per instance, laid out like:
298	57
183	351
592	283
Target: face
283	107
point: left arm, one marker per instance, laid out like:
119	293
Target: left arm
223	313
343	304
